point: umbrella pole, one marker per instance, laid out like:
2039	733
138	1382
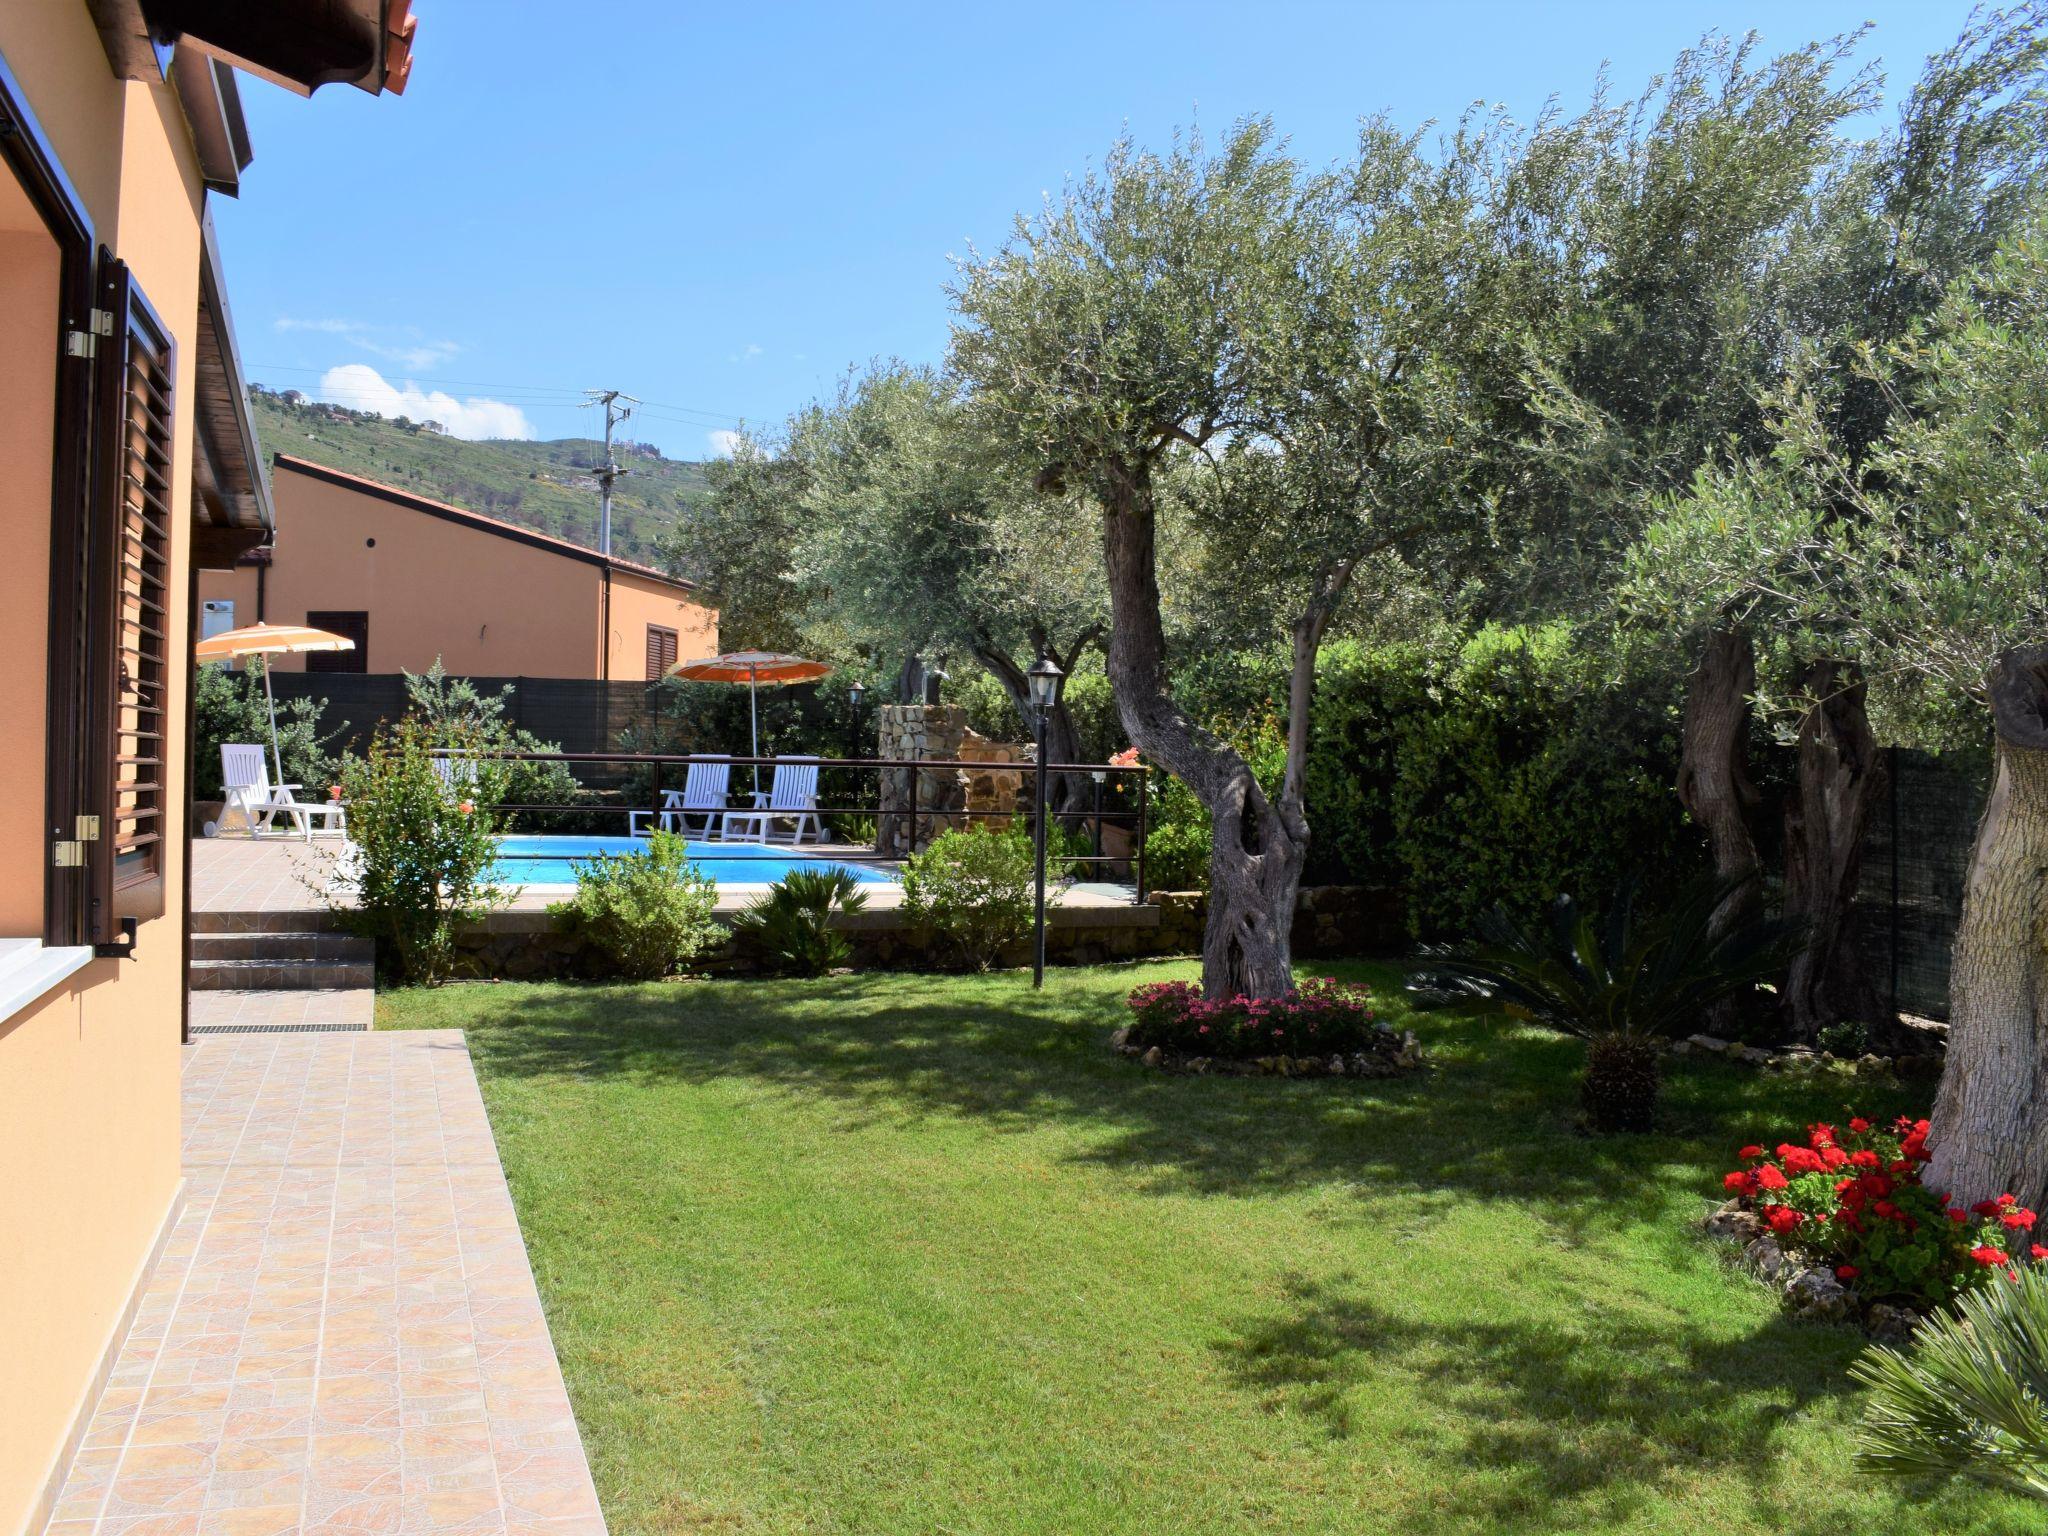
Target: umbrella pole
754	720
276	756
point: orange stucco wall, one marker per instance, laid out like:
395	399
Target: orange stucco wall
88	1074
485	604
638	602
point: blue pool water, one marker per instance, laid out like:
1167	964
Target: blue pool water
539	860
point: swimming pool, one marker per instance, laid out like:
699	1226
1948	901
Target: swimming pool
544	860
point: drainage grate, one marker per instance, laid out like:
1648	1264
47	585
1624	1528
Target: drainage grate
280	1029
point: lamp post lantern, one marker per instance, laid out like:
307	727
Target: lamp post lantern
1045	678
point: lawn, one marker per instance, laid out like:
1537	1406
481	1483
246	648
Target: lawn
891	1253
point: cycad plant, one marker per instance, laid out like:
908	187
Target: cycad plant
1621	981
790	928
1969	1397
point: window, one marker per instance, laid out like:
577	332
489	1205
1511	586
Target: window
129	585
352	624
216	617
661	652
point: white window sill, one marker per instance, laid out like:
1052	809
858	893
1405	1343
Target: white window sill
29	968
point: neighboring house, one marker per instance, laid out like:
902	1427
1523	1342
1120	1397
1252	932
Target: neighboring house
410	579
127	464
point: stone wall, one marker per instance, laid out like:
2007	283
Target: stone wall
1329	921
940	795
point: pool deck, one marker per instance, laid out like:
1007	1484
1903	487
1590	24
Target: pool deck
285	873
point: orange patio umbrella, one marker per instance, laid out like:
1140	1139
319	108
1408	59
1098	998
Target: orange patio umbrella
270	640
752	668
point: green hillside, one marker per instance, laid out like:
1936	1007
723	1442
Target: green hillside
546	486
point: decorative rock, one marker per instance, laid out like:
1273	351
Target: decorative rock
1816	1296
1750	1056
1336	1066
1154	1056
1733	1221
1889	1324
1708	1042
1870	1062
1119	1037
1764	1258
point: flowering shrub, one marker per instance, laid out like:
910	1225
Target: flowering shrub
1855	1202
1314	1019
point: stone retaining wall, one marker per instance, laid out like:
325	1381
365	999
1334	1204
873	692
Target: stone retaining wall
940	795
1329	921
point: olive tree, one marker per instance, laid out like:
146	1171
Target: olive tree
916	536
1922	564
1176	315
737	540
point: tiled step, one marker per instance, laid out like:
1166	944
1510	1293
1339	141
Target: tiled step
302	947
287	1012
279	975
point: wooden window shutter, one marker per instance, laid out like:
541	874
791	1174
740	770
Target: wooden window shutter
129	577
661	652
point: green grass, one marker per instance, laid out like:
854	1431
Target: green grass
897	1253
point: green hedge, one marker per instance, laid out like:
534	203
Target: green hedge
1504	768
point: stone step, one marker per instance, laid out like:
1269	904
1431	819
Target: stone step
280	975
298	947
304	920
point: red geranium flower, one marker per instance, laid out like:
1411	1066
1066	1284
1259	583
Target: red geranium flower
1770	1178
1782	1218
1834	1157
2018	1221
2008	1200
1988	1256
1984	1208
1847	1271
1865	1159
1958	1216
1740	1183
1800	1159
2037	1253
1858	1124
1820	1135
1751	1151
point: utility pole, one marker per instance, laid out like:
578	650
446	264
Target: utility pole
614	413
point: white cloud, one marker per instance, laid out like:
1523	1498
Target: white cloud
362	388
723	442
746	354
404	347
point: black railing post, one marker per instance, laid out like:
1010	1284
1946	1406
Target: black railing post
1893	765
1144	818
654	818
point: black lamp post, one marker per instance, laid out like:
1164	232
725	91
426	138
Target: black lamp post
1045	678
854	693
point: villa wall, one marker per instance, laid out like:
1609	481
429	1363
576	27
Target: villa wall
89	1117
486	603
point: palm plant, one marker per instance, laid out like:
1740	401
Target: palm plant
1621	981
790	928
1970	1396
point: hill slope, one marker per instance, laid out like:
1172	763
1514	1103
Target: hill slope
546	486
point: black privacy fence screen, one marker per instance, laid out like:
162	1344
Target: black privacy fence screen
1915	857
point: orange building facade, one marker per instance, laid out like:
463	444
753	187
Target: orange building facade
412	581
127	463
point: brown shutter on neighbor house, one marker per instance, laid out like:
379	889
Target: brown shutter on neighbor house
661	652
128	672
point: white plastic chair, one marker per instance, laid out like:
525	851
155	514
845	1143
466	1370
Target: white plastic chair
703	794
791	796
247	791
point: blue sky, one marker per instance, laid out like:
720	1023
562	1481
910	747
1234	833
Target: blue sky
718	208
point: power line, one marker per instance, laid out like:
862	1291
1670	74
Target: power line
614	413
569	397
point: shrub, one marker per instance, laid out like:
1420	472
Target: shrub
230	707
790	928
1966	1400
1855	1202
455	714
419	849
648	911
1620	982
974	889
1313	1019
1850	1037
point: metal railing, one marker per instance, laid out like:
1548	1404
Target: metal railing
656	772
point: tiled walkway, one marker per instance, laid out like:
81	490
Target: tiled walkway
263	1012
343	1335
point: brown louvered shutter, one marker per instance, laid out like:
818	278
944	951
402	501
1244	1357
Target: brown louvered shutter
661	652
130	582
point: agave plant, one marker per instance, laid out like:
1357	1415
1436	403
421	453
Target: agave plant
790	927
1969	1398
1621	981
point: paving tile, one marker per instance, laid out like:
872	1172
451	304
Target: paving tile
343	1334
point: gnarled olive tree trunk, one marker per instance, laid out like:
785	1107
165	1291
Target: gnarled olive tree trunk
1713	764
1260	847
1990	1130
1841	777
1065	793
